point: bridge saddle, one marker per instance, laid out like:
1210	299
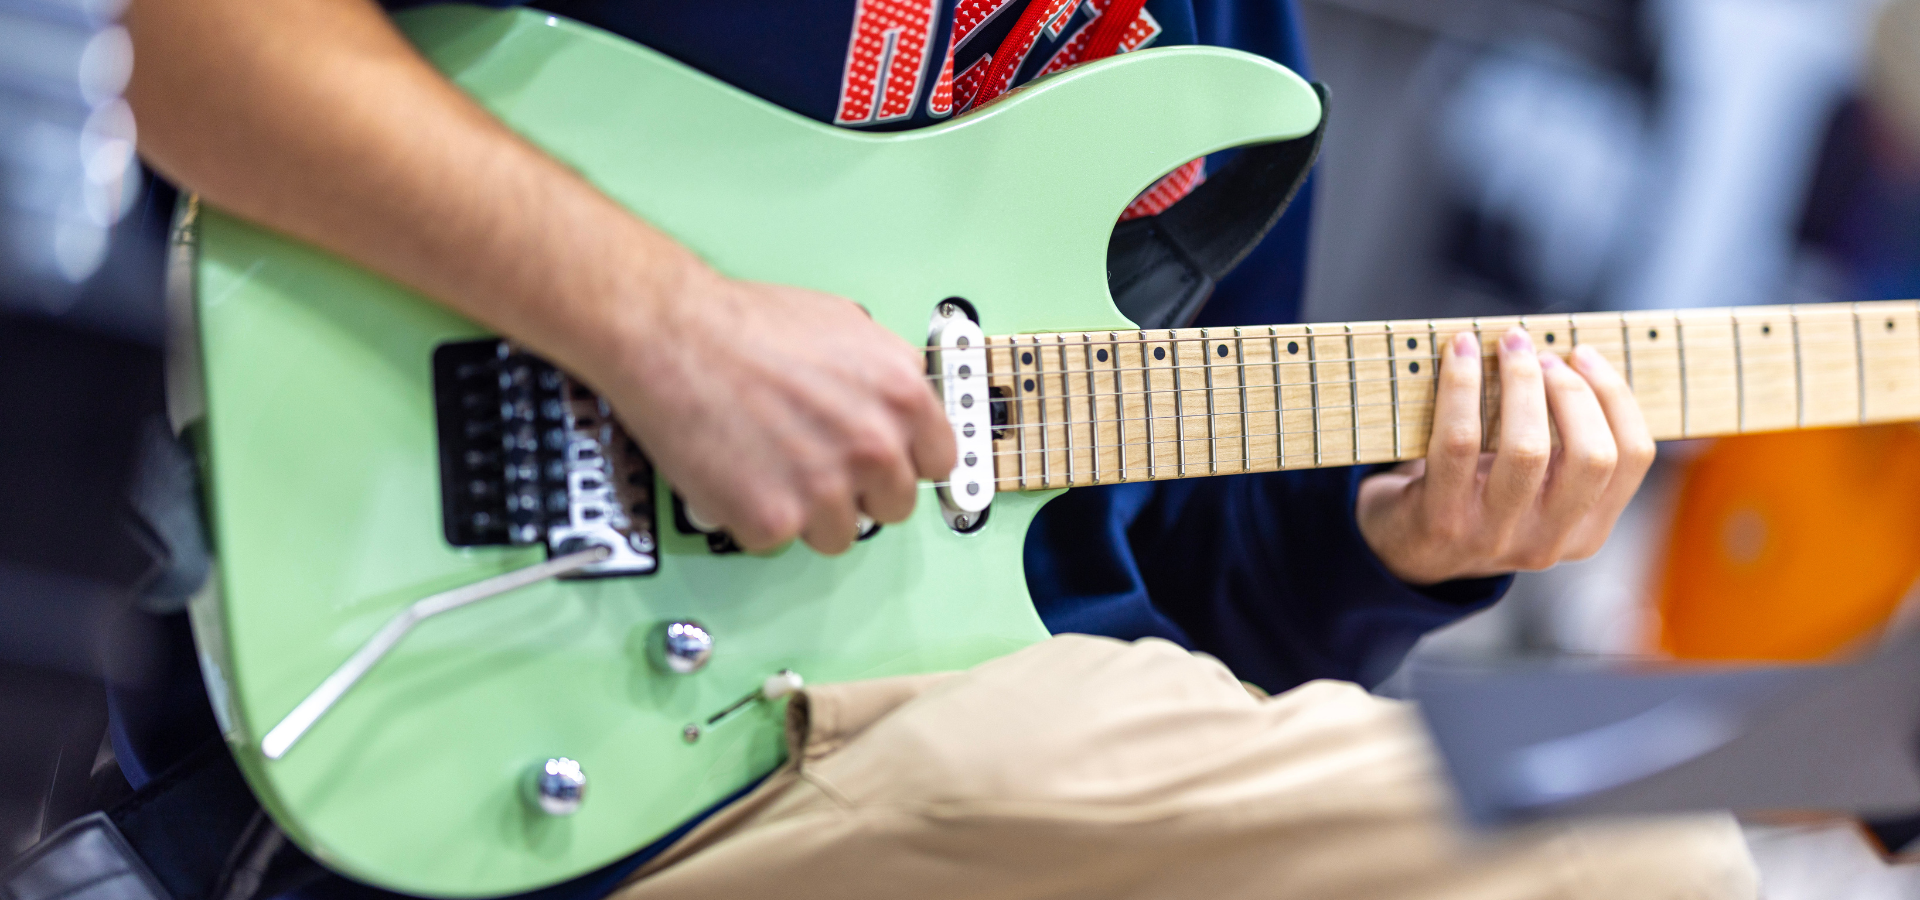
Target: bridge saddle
530	456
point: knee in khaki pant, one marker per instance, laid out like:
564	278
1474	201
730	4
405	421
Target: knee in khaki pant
1088	767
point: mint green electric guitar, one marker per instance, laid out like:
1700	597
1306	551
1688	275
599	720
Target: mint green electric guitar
463	643
336	441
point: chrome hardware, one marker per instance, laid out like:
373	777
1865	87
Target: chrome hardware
682	648
529	456
608	493
780	684
699	522
282	737
960	368
558	787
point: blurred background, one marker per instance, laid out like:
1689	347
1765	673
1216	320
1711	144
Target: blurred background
81	333
1490	157
1483	157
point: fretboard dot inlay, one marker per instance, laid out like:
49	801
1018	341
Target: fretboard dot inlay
1101	356
1653	334
1414	368
1026	359
1223	350
1549	337
1413	343
1028	384
1293	347
1766	330
1159	353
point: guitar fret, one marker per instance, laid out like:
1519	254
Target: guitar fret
1066	403
1213	438
1279	404
1153	463
1246	426
1799	376
1626	350
1739	376
1179	409
1313	380
1093	405
1860	362
1393	384
1353	392
1017	397
1120	409
1680	351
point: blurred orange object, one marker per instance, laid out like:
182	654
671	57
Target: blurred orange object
1791	546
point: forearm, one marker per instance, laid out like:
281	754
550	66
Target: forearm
317	119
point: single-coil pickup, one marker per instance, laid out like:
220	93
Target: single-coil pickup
961	368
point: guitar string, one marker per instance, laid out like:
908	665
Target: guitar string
1489	361
1418	328
1415	329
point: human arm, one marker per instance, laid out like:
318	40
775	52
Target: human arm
776	411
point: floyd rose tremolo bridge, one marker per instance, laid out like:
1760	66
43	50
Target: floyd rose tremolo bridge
530	456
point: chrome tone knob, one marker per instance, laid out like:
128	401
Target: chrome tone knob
682	647
559	786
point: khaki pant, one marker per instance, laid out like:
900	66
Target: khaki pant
1087	767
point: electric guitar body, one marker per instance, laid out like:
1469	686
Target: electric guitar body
326	423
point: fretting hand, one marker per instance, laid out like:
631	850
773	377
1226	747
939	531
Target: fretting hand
778	412
1463	513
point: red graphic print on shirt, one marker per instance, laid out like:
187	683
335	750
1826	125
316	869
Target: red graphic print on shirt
969	15
886	60
1170	188
1139	34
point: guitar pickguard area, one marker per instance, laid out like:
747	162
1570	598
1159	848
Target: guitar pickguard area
529	456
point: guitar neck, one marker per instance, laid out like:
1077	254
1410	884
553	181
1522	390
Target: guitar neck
1087	408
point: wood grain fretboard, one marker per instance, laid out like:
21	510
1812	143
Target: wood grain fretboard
1103	407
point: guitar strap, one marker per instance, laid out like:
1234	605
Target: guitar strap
1161	269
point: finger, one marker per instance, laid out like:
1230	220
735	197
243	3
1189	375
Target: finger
1632	441
1583	464
886	484
767	524
1453	449
1520	463
832	522
930	435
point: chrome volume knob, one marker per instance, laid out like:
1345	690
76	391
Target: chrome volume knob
559	786
682	647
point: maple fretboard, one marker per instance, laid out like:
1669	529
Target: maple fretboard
1103	407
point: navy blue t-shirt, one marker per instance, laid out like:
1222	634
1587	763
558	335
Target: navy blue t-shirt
1268	572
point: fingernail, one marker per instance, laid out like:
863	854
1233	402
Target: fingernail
1465	345
1516	340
